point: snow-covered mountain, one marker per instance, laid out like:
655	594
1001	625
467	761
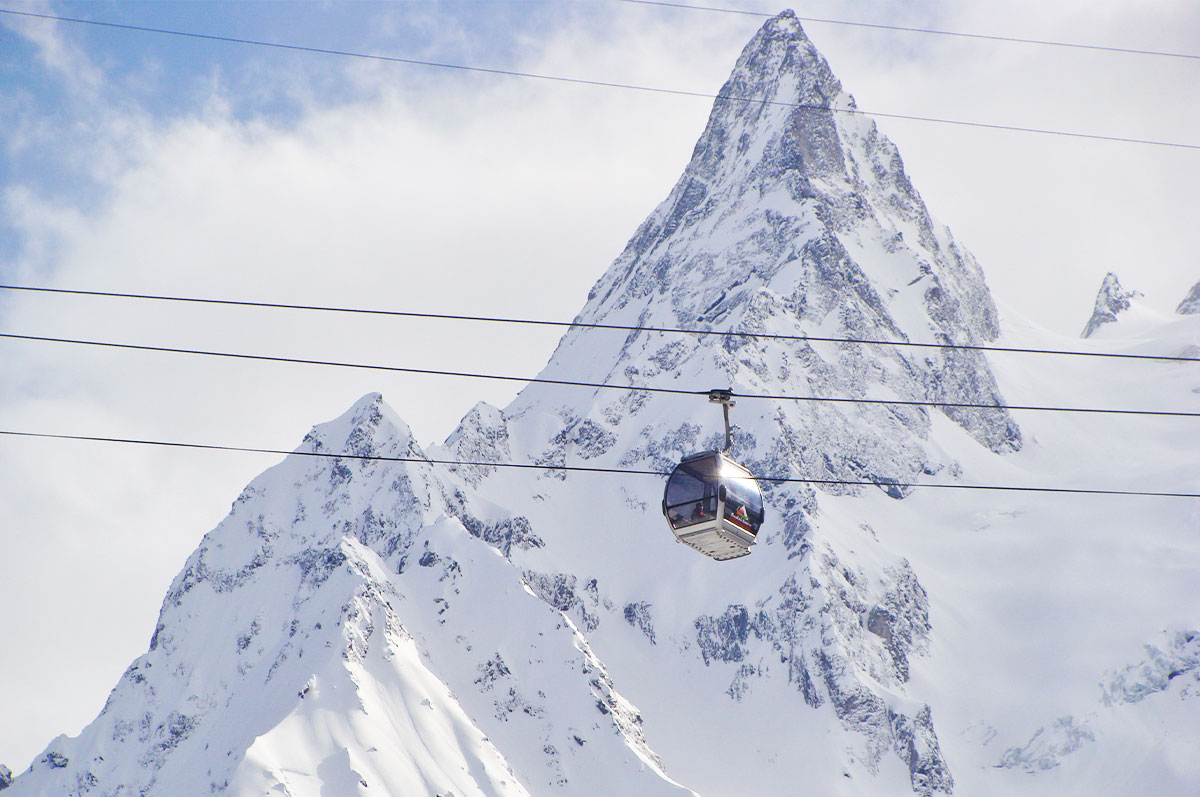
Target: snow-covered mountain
369	620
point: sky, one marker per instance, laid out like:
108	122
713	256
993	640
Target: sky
149	163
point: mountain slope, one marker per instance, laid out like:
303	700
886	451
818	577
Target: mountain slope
310	642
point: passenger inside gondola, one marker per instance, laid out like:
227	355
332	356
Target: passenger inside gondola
692	493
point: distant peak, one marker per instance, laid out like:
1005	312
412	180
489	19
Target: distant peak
1191	303
368	428
1111	300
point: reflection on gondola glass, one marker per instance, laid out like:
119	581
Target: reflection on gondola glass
743	501
713	505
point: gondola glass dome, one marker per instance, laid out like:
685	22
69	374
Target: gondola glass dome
714	505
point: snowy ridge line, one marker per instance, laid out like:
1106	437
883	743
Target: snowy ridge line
589	325
600	385
932	31
882	484
601	83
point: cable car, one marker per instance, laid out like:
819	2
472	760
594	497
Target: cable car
711	502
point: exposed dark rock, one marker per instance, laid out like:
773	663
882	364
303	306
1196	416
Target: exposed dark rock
1047	746
901	620
505	535
491	671
55	760
795	530
638	615
724	638
562	591
317	564
917	744
1178	661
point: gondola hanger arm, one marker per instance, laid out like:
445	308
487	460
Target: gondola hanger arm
724	397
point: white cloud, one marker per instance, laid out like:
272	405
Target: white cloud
58	54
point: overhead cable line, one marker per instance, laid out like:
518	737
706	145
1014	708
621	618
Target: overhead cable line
590	325
597	385
587	469
601	83
932	31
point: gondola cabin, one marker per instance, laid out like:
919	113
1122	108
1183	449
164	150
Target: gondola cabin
714	505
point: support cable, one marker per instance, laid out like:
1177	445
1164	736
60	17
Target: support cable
583	469
589	325
601	83
930	31
595	385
